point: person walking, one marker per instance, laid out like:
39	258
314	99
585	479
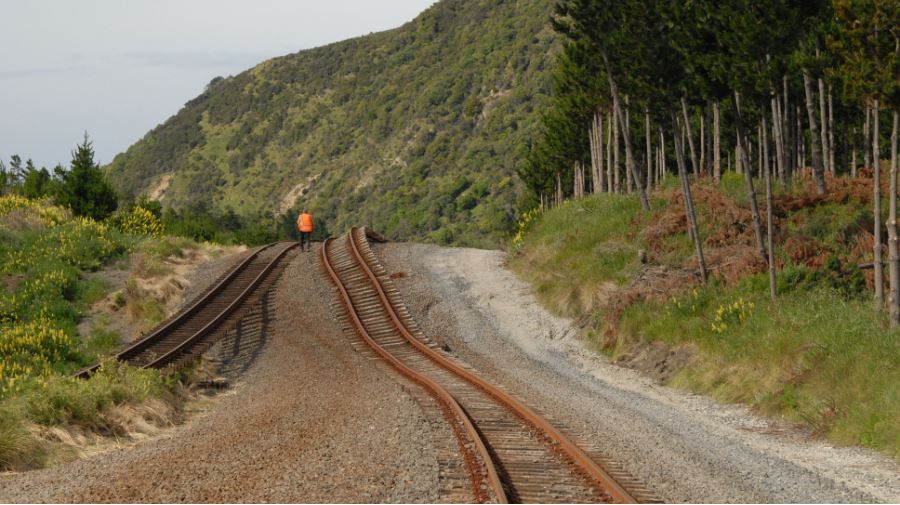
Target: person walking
305	225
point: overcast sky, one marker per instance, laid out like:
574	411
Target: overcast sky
118	68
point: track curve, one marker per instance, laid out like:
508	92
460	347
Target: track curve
192	330
535	462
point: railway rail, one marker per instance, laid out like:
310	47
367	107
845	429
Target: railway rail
512	453
194	329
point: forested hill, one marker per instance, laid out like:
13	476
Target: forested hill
416	131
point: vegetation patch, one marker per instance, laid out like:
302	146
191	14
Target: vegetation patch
819	356
416	131
48	258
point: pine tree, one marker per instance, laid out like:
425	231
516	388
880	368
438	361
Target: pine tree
16	171
84	188
36	183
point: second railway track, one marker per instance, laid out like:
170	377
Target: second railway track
192	331
512	454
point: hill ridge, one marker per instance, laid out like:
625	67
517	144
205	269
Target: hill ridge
416	131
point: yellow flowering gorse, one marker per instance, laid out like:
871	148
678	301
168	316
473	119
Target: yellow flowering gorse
733	313
138	221
29	350
49	214
524	223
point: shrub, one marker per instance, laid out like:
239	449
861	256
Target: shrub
32	349
137	221
49	215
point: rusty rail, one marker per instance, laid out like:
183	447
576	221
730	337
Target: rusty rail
162	353
617	492
520	443
463	427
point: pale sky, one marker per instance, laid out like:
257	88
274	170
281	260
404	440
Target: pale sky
117	68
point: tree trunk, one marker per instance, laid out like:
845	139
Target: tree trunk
662	156
617	173
596	140
593	152
751	191
893	247
818	168
738	156
575	181
787	127
801	141
578	181
867	155
778	138
656	167
601	172
649	184
879	266
610	126
759	157
630	175
689	201
748	148
770	216
717	144
559	191
690	138
645	203
710	138
823	117
831	163
703	157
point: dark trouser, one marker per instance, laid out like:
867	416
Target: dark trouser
305	236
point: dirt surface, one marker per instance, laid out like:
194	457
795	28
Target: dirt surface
187	277
311	420
685	447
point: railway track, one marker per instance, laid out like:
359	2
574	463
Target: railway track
195	328
511	453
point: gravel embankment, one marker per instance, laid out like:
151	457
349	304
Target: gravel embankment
311	421
685	447
205	274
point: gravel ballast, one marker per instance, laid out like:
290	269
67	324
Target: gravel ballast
312	420
685	447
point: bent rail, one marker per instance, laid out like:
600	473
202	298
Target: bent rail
452	409
157	335
572	451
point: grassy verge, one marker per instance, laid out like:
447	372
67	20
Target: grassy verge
45	257
818	356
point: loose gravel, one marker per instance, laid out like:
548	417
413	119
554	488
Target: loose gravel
685	447
312	420
205	274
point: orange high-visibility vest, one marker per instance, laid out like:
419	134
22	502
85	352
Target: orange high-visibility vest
305	223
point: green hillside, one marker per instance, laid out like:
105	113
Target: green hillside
416	131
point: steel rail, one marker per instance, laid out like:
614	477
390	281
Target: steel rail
177	350
578	456
450	405
136	348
